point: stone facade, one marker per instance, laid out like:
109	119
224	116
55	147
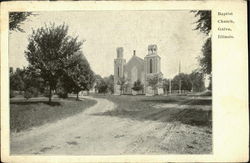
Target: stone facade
125	74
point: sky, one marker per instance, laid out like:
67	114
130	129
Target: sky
104	31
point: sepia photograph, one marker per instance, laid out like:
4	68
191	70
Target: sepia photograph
110	82
127	81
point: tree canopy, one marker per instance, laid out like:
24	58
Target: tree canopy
16	19
49	50
181	80
206	60
197	81
104	85
203	23
79	73
153	80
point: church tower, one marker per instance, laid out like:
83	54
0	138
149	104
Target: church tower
152	66
119	64
152	61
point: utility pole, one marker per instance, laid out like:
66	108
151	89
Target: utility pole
180	86
170	86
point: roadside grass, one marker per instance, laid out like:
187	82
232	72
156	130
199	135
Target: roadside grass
143	108
25	114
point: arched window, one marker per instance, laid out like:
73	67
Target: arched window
118	72
150	66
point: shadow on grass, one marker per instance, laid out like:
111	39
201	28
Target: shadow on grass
198	102
160	100
181	101
193	117
53	103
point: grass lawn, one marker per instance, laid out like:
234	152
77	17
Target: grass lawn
195	111
25	114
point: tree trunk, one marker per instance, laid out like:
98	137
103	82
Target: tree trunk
50	94
77	96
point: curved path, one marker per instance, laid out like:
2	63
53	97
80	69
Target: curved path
89	133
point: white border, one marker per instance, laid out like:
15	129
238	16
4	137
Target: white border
230	81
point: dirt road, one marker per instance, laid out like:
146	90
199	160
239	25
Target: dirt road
88	133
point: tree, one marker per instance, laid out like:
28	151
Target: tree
203	24
166	85
26	80
62	88
122	82
182	79
102	86
32	79
197	81
98	80
16	80
153	80
16	19
206	59
80	75
138	86
30	92
110	83
48	51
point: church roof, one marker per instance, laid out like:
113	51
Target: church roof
134	57
133	60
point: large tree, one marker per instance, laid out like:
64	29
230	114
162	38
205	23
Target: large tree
197	81
16	19
25	79
203	24
206	59
48	51
165	83
181	81
17	80
79	73
110	83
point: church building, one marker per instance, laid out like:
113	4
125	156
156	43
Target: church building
127	73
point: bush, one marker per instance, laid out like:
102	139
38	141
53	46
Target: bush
30	92
137	86
62	93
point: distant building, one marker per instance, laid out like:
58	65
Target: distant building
126	74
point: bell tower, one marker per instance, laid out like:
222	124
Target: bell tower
152	67
119	64
152	61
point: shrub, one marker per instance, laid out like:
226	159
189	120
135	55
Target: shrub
30	92
62	93
137	86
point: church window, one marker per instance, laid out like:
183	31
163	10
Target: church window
150	66
118	72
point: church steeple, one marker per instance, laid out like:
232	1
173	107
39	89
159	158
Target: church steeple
179	67
152	60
